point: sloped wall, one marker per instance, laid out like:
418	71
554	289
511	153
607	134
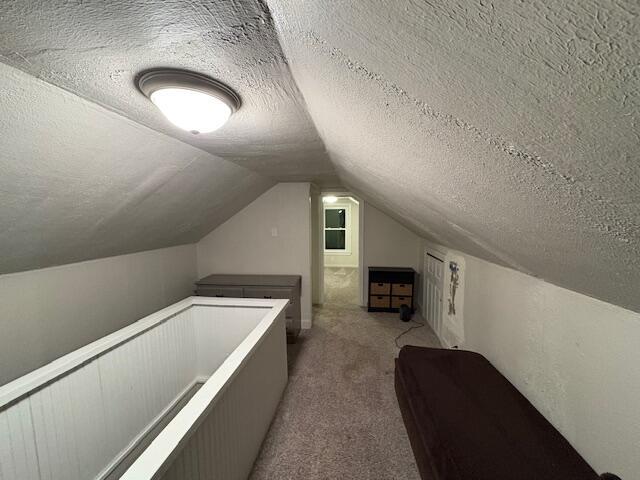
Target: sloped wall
506	130
388	243
574	357
272	235
79	182
48	313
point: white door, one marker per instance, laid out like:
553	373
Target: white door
432	294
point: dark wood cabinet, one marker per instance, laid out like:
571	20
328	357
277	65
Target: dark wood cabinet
390	287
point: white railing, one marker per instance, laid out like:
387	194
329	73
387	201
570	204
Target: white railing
88	414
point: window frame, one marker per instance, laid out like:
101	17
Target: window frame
347	228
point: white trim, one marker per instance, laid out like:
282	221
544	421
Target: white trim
31	381
347	228
320	248
439	251
362	281
434	253
171	438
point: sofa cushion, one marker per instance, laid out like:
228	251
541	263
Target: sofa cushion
466	421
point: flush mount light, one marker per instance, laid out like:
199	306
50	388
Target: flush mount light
330	199
192	102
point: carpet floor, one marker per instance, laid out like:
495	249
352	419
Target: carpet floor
339	417
341	285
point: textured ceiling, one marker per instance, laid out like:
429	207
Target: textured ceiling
508	130
95	49
90	169
80	182
505	129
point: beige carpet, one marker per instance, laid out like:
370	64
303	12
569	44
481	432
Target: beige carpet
341	285
339	418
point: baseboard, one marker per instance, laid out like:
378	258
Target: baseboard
305	323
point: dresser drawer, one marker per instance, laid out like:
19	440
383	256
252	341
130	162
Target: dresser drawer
402	289
213	291
397	301
262	292
379	301
379	288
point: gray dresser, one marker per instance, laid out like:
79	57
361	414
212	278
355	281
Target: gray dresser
258	286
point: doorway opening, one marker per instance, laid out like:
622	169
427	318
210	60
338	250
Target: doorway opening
340	246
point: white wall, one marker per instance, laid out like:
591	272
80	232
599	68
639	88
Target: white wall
387	243
50	312
577	359
245	243
350	259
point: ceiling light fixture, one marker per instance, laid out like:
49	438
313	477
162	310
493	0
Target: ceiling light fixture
190	101
330	199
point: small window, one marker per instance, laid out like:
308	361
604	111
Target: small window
336	233
335	239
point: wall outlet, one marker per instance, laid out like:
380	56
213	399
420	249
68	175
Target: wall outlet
274	232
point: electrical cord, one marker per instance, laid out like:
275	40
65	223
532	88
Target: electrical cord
413	327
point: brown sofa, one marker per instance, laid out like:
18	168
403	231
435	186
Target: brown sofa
466	421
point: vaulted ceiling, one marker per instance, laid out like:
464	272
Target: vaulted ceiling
508	130
95	49
79	182
90	168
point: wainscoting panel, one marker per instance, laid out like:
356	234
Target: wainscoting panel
81	416
228	439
